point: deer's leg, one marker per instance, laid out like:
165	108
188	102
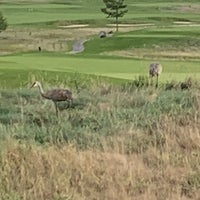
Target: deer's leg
70	101
56	107
156	81
150	80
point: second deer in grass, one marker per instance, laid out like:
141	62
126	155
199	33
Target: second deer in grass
155	69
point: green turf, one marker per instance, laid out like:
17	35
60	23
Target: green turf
28	13
31	12
170	36
17	69
165	34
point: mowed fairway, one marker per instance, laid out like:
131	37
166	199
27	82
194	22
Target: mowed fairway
150	32
33	12
120	68
172	38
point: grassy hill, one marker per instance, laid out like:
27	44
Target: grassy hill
121	138
129	138
139	11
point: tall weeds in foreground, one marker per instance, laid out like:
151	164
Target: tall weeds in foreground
113	143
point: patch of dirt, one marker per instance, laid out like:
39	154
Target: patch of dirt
23	39
182	22
130	25
74	26
157	53
60	39
189	8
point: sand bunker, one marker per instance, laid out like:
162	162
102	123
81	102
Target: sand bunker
74	26
130	25
181	22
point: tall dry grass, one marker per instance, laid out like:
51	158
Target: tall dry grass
116	143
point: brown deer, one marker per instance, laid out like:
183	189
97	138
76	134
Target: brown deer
155	69
55	94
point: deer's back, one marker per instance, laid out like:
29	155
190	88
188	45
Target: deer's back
58	95
155	69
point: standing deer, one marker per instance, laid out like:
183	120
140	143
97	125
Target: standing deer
155	69
55	94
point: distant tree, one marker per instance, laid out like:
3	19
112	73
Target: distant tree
3	23
115	9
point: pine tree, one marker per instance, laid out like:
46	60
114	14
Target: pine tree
3	23
115	9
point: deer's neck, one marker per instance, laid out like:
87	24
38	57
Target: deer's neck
41	89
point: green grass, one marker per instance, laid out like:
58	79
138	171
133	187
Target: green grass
47	12
127	107
158	12
166	35
24	66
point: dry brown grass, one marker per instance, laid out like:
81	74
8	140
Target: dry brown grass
188	8
29	39
167	171
159	160
57	39
158	52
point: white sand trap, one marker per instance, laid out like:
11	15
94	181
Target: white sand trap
184	24
130	25
75	26
181	22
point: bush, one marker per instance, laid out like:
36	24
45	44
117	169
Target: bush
3	23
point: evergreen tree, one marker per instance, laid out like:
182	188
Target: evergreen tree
115	9
3	23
